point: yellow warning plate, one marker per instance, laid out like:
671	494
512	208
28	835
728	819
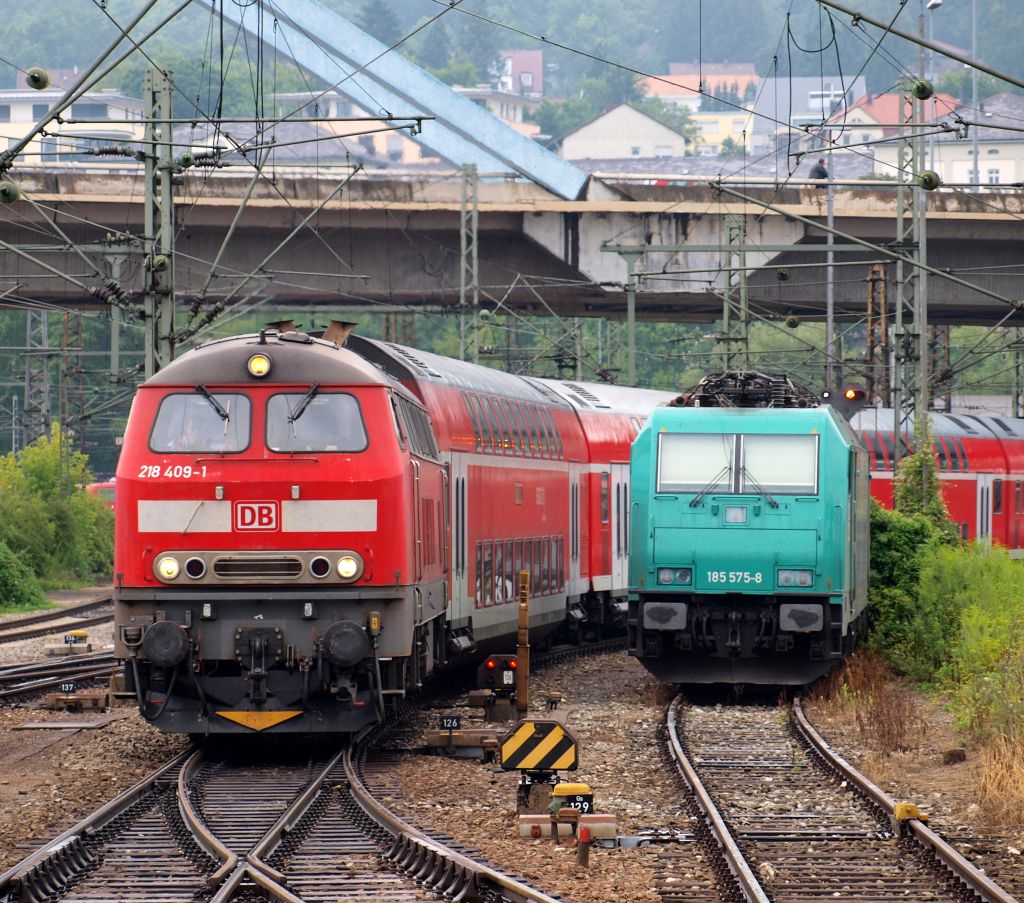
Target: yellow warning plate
258	721
539	746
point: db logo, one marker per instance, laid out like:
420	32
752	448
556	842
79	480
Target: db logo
256	515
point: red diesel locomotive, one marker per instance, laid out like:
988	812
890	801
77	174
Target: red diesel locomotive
307	527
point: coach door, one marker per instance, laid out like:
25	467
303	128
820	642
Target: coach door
983	523
620	526
575	586
459	521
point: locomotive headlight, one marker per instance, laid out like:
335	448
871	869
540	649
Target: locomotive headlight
167	568
350	566
801	578
258	365
682	576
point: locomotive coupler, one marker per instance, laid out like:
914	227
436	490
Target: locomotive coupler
734	643
765	632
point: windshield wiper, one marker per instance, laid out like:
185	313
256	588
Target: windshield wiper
715	480
757	486
303	403
216	405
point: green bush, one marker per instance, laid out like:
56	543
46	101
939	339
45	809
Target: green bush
984	619
51	523
899	544
18	587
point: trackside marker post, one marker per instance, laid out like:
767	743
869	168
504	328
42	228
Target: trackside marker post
523	647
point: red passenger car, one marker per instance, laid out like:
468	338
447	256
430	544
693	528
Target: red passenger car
307	529
980	464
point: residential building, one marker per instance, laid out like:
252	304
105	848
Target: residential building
1000	150
509	108
787	108
714	128
521	72
623	131
363	137
696	85
98	119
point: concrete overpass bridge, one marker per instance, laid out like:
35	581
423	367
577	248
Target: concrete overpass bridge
392	243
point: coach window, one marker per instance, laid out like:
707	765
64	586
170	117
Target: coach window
958	444
486	439
554	436
890	450
604	497
504	426
561	562
538	566
310	421
510	571
997	496
517	562
516	445
202	422
474	419
523	428
492	421
942	454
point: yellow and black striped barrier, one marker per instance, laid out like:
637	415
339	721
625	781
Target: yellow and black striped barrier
539	746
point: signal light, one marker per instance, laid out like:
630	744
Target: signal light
513	664
491	664
848	401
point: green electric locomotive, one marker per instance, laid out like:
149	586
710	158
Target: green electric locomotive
749	535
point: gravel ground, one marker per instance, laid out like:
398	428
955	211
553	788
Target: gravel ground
44	791
100	636
613	708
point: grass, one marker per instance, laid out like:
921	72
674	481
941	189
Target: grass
882	709
1001	782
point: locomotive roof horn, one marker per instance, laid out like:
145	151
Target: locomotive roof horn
338	332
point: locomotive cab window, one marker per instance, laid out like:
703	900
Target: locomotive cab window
689	462
313	421
726	463
783	464
202	422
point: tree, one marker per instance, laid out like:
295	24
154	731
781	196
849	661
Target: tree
376	17
675	116
729	148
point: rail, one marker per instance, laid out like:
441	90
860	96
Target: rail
446	872
740	869
976	881
57	861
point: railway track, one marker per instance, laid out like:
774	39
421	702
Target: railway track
791	821
18	681
279	826
71	617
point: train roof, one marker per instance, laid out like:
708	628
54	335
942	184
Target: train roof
404	363
294	357
585	396
975	426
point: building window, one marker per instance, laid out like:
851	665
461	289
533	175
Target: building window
993	177
39	110
709	127
88	111
5	112
526	79
992	151
635	150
